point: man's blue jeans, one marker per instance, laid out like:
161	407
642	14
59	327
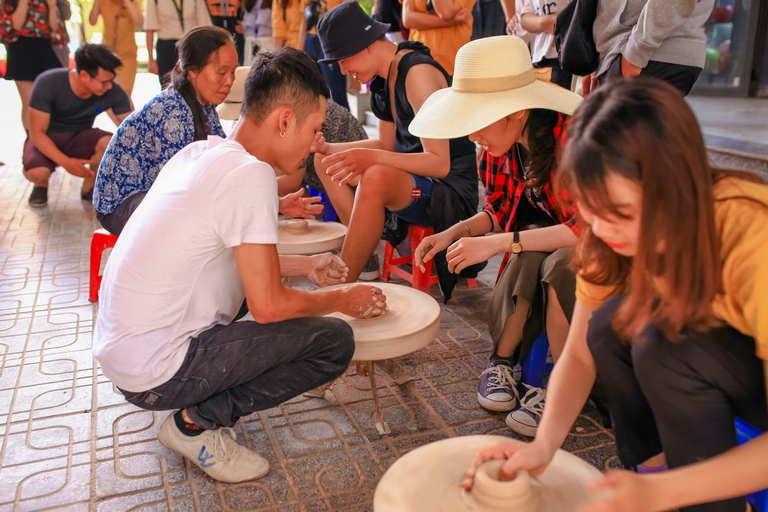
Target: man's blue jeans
234	370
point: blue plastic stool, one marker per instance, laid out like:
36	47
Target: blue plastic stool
745	433
329	213
535	365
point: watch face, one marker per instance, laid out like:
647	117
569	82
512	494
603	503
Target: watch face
516	248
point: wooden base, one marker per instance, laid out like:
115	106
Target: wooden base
368	369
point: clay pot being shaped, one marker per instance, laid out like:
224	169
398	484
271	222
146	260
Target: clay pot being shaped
429	479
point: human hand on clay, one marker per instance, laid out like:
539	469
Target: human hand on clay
327	270
364	301
533	457
296	205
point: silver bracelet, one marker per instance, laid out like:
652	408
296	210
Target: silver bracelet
466	227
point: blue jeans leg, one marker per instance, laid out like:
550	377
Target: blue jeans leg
234	370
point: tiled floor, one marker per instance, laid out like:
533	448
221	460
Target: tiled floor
70	441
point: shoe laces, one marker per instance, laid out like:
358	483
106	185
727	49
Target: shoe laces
220	441
500	378
533	401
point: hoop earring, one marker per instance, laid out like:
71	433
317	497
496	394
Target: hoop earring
282	134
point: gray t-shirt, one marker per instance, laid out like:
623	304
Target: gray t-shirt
53	95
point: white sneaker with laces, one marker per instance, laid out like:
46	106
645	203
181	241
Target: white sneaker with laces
526	419
498	389
215	452
371	270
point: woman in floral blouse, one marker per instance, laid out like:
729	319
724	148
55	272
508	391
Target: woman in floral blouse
178	116
30	29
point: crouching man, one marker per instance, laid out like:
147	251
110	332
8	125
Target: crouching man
202	241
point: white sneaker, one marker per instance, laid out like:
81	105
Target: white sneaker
371	270
526	419
215	452
497	390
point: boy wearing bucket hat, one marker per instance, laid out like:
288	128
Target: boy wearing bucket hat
202	243
423	181
519	121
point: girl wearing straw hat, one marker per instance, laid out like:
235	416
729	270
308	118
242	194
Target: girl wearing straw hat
671	311
497	100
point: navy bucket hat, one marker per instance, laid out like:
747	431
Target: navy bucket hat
346	30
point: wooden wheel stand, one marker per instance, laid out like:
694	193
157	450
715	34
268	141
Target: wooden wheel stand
411	322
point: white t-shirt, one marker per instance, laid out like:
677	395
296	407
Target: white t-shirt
543	45
172	273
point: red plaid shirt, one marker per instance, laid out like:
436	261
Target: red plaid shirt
505	187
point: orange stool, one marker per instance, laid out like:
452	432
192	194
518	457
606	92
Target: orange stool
101	241
420	280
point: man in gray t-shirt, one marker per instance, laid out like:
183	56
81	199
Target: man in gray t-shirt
63	107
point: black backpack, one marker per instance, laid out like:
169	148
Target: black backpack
573	37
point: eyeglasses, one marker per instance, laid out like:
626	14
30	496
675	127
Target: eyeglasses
104	83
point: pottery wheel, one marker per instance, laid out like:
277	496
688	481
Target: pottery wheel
429	478
319	237
411	321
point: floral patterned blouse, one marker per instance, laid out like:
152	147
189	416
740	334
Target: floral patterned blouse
36	24
142	145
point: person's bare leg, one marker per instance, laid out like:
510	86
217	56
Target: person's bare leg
512	334
556	325
101	148
342	197
25	91
380	187
38	175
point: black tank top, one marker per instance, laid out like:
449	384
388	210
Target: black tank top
404	114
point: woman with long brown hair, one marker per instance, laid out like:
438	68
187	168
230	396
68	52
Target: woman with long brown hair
671	312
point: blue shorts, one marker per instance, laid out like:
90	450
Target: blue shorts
416	210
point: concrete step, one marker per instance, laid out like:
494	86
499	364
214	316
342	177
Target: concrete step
726	153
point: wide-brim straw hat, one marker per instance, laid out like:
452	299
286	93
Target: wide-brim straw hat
230	109
493	78
429	478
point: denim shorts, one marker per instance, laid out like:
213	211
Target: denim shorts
416	210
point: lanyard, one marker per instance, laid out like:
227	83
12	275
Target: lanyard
180	12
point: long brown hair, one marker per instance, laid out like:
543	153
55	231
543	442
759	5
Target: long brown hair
643	130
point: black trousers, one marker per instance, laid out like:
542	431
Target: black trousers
679	397
167	55
678	75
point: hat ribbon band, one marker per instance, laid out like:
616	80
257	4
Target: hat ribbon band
493	84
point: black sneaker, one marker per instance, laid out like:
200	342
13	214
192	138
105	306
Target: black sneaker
86	196
39	197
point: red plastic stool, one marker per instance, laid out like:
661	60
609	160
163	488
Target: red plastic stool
101	241
420	280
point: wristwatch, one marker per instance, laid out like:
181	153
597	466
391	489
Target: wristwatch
516	247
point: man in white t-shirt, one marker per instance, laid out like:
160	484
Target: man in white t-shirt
203	240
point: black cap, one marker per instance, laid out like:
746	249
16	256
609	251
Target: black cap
346	30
